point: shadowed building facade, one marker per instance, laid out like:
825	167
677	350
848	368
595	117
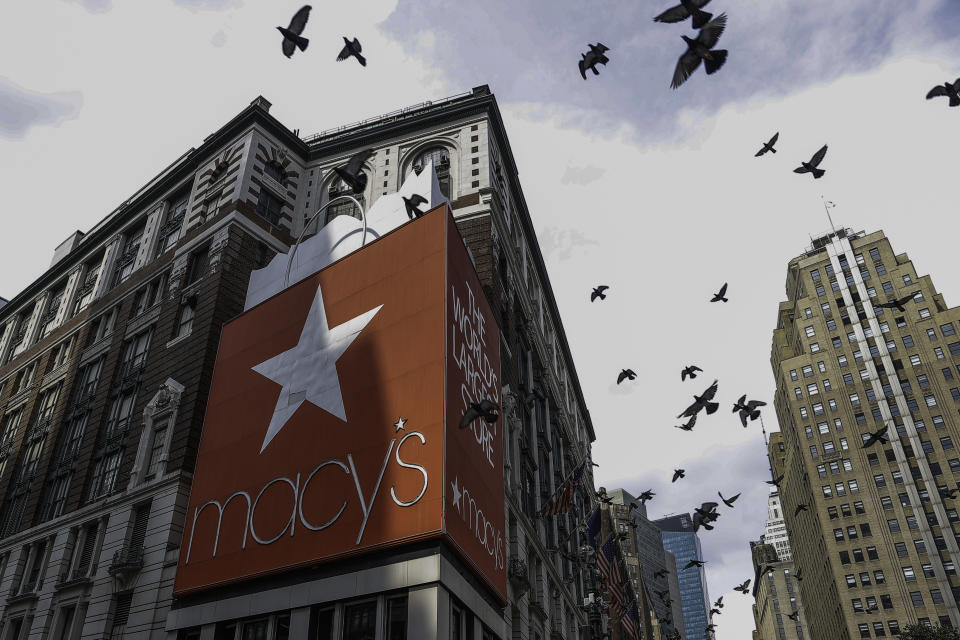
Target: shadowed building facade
105	366
776	596
878	545
680	539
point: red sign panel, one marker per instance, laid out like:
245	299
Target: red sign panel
332	407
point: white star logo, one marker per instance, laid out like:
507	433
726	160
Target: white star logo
456	492
308	372
399	424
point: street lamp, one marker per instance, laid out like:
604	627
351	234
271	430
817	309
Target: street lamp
296	245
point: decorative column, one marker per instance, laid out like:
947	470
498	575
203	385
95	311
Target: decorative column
106	266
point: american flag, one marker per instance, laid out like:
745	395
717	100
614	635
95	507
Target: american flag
562	500
608	564
593	527
629	622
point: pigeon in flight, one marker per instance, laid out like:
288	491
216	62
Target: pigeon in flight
702	402
590	59
811	167
689	371
661	594
352	49
720	296
947	89
880	435
603	497
898	303
748	409
684	10
694	563
700	49
799	575
598	292
704	515
743	588
948	494
413	205
793	616
765	570
353	175
626	374
768	146
714	612
800	507
709	628
291	34
662	573
646	495
719	602
484	409
728	501
688	426
776	481
677	474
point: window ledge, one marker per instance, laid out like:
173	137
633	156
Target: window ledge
179	339
146	318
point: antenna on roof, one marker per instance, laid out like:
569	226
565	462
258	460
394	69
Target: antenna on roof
827	205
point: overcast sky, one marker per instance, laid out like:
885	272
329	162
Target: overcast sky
653	192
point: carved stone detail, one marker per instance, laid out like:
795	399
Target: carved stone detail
217	245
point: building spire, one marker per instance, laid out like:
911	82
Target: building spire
827	205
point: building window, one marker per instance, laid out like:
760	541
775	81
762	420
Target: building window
908	574
185	319
169	232
441	164
269	207
894	525
814	347
126	260
916	598
157	440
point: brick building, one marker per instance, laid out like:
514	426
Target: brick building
106	361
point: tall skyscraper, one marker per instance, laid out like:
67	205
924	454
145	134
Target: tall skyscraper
776	596
656	565
775	531
876	544
680	539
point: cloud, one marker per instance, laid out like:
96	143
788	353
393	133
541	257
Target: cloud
219	38
582	175
776	48
21	108
94	6
562	244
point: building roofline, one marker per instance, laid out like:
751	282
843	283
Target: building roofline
168	178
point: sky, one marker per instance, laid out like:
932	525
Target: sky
651	191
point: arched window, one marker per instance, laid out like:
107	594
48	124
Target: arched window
341	207
441	164
275	171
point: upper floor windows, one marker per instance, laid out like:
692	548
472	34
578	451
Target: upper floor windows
169	232
126	259
441	164
269	207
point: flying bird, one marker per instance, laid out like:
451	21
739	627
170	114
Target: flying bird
720	296
768	146
646	495
689	371
598	292
702	402
413	205
661	594
714	612
590	59
950	90
291	34
684	10
747	409
688	426
728	501
719	602
604	498
799	575
677	474
484	409
353	175
776	481
352	49
800	507
626	374
709	628
898	303
811	167
765	570
695	563
793	616
662	573
700	49
743	588
880	435
948	494
708	510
